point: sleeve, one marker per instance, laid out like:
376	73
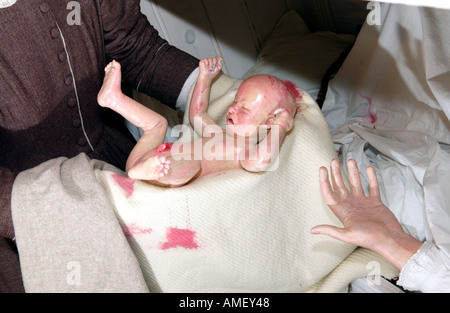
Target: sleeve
149	63
427	270
6	224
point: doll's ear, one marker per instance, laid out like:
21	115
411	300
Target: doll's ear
270	120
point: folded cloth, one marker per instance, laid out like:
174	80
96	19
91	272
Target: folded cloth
67	235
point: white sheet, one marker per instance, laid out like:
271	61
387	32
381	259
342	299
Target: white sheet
443	4
389	106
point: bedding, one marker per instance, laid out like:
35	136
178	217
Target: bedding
431	3
388	107
230	232
67	234
293	53
237	231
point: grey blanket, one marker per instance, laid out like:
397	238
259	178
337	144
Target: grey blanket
67	235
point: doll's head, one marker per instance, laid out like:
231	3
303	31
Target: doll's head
259	98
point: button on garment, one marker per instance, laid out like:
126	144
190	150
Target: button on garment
62	56
71	103
54	32
44	7
76	123
82	141
68	80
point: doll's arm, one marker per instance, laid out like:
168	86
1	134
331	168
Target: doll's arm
267	150
198	117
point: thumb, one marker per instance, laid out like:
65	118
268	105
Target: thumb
331	231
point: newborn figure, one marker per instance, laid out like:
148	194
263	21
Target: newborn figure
262	113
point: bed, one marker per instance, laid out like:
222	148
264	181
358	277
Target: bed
394	117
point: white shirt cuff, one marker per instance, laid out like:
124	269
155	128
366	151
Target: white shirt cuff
425	271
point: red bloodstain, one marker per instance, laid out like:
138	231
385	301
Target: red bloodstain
126	183
373	116
184	238
272	80
134	229
165	147
294	89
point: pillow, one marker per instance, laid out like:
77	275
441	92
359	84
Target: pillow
292	52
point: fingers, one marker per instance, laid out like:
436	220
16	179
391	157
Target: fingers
373	182
355	180
212	63
327	192
336	177
356	188
334	232
339	190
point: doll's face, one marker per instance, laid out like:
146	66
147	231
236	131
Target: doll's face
256	100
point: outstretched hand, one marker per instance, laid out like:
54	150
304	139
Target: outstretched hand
367	221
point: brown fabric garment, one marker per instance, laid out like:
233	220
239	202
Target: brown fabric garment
40	118
10	275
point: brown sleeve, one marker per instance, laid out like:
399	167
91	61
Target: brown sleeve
6	224
149	63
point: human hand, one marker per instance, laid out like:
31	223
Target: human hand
283	118
210	67
367	221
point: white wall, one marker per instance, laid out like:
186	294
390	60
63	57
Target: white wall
233	29
236	29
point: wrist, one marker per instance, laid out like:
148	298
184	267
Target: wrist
205	78
398	248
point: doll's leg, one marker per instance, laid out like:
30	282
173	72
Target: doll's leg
154	126
150	160
111	96
163	168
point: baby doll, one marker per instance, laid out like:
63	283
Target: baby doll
261	114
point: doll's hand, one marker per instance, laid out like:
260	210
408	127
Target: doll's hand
283	119
210	67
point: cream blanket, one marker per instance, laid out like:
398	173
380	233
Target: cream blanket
237	231
230	232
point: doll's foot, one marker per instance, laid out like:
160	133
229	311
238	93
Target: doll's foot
165	170
180	173
152	168
111	88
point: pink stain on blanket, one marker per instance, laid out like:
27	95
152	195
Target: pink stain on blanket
183	238
126	183
373	116
134	229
